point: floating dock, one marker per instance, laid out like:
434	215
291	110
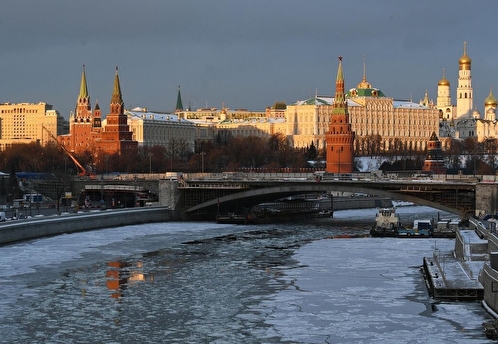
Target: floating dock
453	275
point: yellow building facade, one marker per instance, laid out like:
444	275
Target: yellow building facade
400	124
28	122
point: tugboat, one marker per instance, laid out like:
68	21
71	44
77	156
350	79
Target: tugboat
387	223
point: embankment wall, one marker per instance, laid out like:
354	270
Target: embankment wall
12	231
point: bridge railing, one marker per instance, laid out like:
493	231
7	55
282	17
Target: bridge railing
300	176
321	175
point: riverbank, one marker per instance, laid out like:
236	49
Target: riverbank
18	230
27	229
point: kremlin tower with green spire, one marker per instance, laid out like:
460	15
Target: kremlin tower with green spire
86	131
340	137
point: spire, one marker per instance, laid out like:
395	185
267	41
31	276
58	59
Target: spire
117	98
83	86
117	86
364	83
339	138
425	101
364	68
83	101
179	104
339	85
339	70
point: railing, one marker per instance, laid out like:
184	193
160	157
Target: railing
322	176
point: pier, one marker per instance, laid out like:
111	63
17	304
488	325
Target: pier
453	275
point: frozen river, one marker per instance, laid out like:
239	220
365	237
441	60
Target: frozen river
183	282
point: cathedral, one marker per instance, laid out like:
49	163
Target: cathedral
88	132
462	120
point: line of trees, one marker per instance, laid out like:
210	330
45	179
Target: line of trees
224	153
233	153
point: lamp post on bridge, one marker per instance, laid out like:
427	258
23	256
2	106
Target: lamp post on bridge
150	163
202	161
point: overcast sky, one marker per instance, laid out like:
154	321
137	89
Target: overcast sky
245	54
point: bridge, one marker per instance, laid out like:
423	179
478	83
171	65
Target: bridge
204	195
458	194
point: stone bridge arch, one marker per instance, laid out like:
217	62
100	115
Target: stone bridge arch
259	195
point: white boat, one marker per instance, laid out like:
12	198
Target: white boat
387	223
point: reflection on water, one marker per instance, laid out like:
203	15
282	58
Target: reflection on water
121	275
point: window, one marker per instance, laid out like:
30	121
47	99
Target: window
494	287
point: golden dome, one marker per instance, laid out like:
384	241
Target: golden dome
465	60
443	82
490	100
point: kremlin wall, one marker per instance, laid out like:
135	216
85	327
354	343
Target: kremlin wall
341	124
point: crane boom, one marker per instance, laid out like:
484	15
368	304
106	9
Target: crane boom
83	171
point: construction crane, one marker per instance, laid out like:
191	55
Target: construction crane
82	170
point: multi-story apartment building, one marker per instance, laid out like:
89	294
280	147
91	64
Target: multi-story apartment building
255	127
210	123
28	122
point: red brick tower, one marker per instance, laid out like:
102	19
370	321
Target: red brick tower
340	138
86	124
434	161
82	124
117	137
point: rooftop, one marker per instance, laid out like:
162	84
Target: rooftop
143	113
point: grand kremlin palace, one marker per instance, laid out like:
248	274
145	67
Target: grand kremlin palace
371	113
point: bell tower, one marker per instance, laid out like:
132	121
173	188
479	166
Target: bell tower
464	90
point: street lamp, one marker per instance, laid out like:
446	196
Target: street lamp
202	161
150	163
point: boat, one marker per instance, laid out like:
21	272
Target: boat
420	229
387	223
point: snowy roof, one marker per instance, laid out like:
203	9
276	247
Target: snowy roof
328	100
408	104
254	120
323	100
142	113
